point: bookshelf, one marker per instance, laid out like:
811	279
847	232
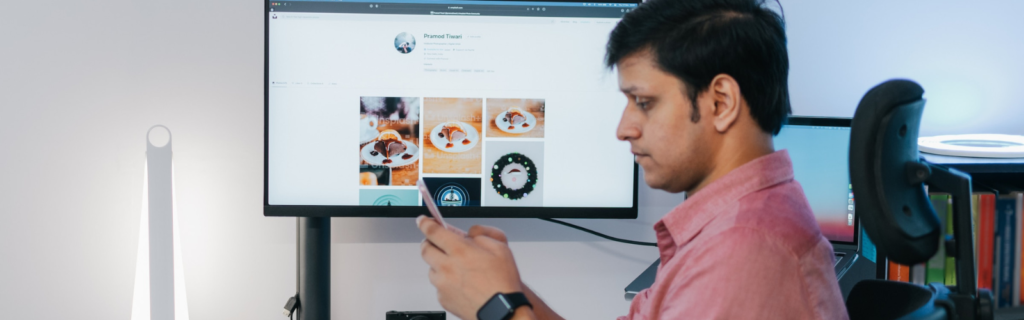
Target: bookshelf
999	176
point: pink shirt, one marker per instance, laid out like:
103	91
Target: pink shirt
744	247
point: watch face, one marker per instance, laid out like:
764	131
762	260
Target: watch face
495	309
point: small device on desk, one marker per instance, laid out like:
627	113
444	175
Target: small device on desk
818	148
415	315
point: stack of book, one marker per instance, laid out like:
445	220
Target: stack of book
998	247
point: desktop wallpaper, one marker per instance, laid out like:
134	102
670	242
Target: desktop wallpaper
821	166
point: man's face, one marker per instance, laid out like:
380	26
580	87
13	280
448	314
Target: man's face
672	149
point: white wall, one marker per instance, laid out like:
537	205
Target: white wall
80	82
966	55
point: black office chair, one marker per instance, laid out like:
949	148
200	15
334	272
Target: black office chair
888	180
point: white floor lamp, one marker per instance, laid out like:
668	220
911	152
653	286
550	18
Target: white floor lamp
159	275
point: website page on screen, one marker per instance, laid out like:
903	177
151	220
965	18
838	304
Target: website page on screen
492	105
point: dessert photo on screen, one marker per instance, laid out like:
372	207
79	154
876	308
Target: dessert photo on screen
370	175
515	174
515	118
389	136
388	197
452	128
454	192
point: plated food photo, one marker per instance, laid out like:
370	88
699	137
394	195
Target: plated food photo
515	120
454	136
389	140
454	128
390	150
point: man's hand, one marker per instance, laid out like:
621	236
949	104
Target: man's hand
467	270
540	310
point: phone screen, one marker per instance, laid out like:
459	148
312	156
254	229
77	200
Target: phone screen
431	205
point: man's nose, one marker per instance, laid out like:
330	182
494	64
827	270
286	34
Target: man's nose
627	129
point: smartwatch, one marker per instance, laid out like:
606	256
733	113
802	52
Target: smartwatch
502	306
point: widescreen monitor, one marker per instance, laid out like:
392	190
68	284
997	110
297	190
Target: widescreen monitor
819	149
504	109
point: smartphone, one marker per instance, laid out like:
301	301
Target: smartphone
429	200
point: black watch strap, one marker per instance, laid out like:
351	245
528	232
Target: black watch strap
502	306
517	299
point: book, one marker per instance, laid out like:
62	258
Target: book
950	275
974	230
1017	253
899	272
1019	279
1005	251
936	270
917	273
867	248
986	237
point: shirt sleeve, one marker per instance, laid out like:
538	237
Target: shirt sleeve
634	307
740	274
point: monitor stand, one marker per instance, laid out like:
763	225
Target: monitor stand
644	281
314	268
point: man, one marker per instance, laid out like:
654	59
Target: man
706	85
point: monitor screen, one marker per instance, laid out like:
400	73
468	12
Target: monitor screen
497	105
819	149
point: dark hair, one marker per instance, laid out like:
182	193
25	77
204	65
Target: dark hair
696	40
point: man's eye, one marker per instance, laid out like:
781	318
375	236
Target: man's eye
642	104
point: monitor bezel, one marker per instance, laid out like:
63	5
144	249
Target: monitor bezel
830	122
270	210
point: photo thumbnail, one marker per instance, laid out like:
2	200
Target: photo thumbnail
515	174
454	192
370	175
515	118
389	137
452	130
405	42
388	197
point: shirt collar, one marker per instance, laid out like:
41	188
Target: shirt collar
689	217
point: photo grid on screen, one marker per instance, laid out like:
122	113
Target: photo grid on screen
476	151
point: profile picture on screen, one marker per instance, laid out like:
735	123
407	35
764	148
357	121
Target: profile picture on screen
452	130
405	42
515	118
389	141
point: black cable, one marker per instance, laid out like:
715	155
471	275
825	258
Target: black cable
639	243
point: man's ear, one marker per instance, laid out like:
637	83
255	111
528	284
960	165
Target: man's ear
724	92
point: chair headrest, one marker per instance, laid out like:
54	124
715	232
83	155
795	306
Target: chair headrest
895	212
